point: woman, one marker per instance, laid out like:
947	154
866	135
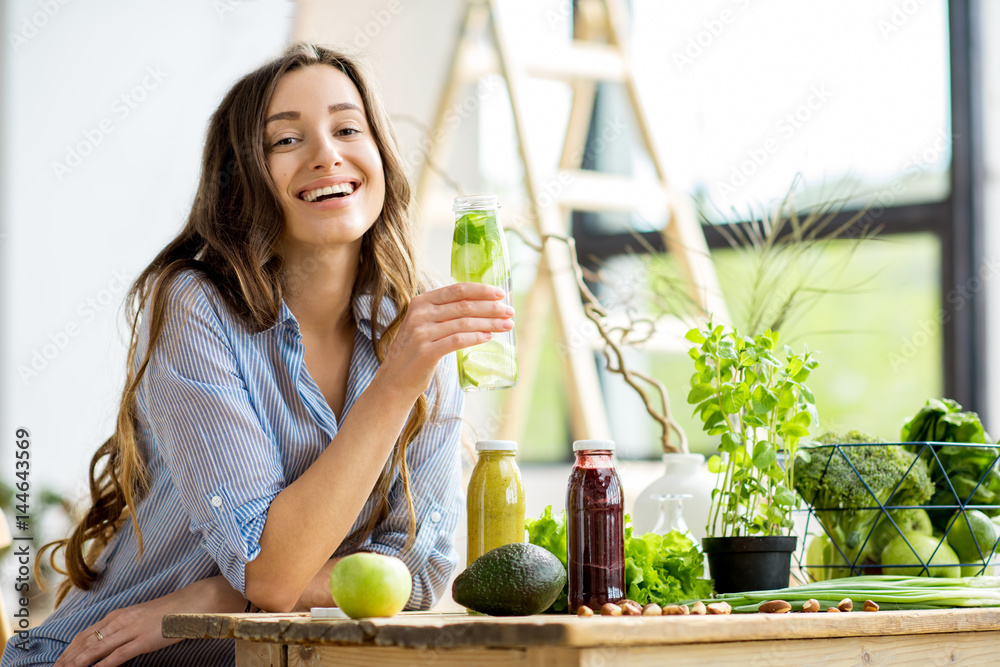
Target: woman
292	392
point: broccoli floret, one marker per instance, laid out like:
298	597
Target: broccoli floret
849	438
831	479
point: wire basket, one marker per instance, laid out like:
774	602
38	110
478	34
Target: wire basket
951	503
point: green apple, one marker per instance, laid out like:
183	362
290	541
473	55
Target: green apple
975	545
366	584
912	548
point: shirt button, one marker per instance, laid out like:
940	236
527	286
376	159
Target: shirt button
435	516
216	501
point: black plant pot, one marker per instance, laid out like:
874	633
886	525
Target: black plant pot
749	563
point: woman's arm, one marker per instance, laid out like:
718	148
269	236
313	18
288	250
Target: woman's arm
135	630
269	538
434	459
309	519
317	593
131	631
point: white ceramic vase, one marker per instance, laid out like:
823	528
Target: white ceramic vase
685	473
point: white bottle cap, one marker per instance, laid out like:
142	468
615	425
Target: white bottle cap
496	446
580	445
327	612
474	202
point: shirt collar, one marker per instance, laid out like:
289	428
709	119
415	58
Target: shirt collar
286	318
363	313
362	309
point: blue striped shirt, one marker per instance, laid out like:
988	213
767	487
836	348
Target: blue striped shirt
227	419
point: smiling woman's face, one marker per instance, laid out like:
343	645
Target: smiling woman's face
323	158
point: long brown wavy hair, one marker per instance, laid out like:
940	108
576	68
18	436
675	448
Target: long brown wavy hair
230	237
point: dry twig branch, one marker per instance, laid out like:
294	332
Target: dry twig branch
615	340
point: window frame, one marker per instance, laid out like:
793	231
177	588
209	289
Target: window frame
957	222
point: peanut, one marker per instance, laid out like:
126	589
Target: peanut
810	606
652	609
631	608
611	609
774	607
584	610
846	605
699	608
870	606
719	608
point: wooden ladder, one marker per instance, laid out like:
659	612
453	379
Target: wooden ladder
598	52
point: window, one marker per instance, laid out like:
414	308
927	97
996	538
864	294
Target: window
865	102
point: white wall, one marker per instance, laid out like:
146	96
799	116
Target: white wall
74	237
96	183
989	26
69	242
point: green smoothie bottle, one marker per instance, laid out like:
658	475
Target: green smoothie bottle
479	255
495	500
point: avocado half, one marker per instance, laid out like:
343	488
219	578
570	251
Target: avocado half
512	580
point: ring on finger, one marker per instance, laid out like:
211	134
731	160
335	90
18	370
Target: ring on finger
100	637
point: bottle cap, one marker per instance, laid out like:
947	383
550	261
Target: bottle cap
496	446
582	445
327	612
475	202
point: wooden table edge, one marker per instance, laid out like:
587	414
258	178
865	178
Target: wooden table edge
454	631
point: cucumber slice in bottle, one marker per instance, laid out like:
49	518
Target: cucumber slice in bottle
469	262
487	360
468	381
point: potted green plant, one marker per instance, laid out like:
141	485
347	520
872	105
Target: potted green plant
761	408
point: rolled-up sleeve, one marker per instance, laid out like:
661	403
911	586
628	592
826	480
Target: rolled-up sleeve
225	466
435	463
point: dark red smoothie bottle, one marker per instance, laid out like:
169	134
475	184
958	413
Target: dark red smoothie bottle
595	509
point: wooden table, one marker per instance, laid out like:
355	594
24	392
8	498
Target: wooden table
967	637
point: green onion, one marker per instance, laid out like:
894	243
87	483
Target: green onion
889	591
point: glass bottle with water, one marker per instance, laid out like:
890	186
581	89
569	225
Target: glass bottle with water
479	255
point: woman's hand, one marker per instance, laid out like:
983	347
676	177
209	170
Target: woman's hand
440	322
135	630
